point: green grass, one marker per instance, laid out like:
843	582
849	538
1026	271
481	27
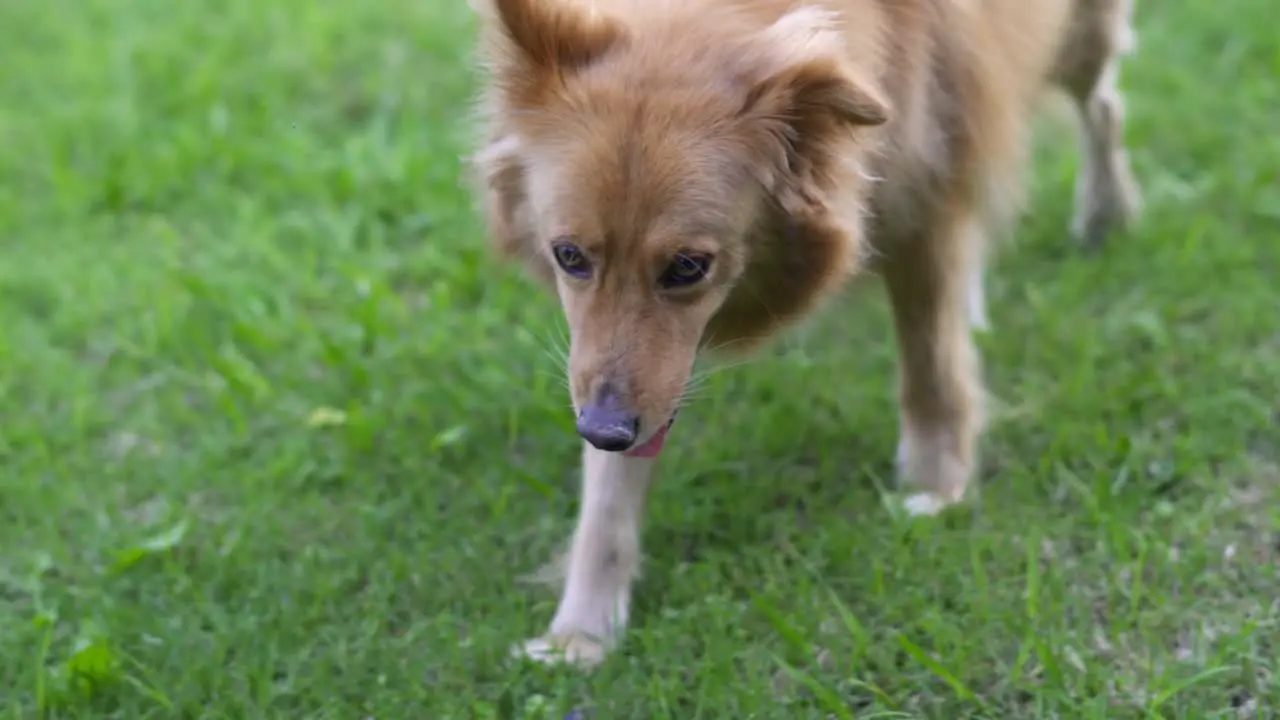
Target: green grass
219	218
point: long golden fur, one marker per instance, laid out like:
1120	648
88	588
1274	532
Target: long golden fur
695	174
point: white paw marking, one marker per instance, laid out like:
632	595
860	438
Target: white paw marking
924	505
574	649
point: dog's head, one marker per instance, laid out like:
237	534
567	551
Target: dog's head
639	166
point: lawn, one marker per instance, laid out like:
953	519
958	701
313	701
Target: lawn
279	440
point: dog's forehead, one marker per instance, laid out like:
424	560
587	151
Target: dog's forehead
643	172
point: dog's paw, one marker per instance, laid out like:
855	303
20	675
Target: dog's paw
576	649
932	478
924	504
1108	204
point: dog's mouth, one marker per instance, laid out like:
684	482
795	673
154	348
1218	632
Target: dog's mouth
651	447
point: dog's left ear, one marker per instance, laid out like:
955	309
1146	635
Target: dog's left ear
807	94
804	66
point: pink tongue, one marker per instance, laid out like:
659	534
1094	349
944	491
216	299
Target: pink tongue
652	446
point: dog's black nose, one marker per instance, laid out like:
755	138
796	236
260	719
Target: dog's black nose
607	425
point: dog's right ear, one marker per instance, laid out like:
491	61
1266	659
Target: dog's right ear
504	203
550	36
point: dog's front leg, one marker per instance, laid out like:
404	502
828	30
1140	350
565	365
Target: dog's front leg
930	279
603	561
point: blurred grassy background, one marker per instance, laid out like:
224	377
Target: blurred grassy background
278	437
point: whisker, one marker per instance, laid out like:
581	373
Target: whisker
721	367
557	377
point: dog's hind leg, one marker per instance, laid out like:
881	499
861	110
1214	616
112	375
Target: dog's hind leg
930	281
602	563
1107	196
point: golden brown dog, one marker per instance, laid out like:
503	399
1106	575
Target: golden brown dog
694	174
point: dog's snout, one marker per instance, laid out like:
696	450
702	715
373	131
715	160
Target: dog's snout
606	423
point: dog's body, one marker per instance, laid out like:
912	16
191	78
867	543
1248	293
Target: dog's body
697	173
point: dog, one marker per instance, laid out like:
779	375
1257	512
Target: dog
692	175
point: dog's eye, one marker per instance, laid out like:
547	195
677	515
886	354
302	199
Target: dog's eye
685	269
570	259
